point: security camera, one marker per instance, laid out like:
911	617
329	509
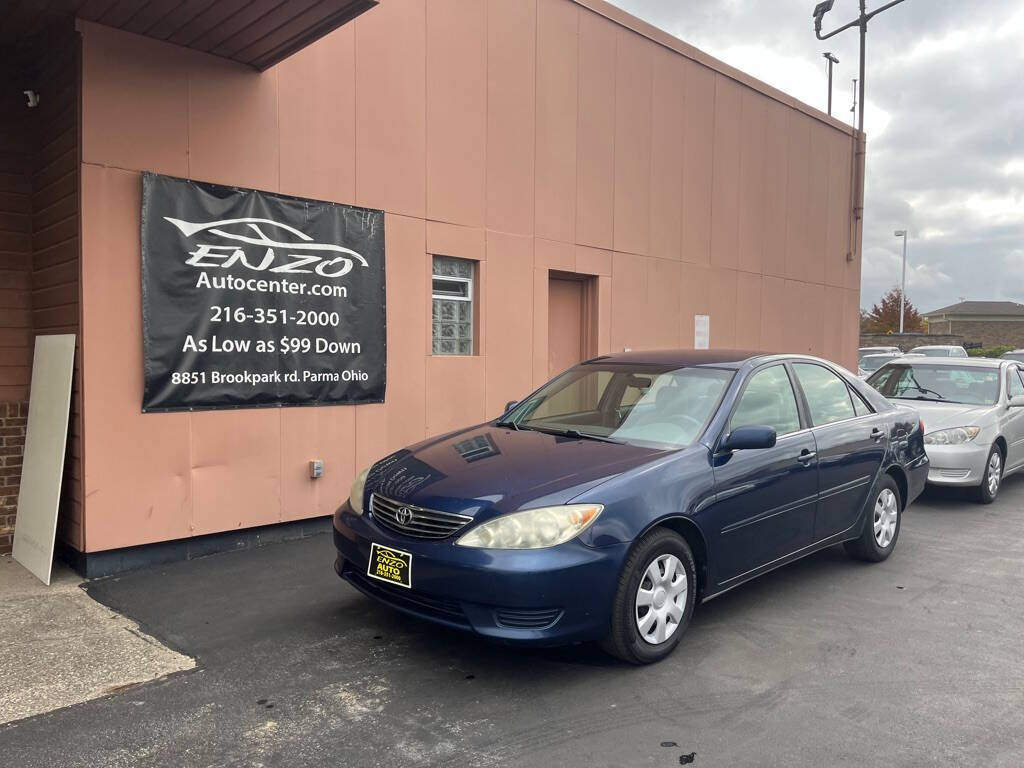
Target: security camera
33	98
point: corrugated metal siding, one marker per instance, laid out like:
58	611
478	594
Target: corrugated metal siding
55	241
15	243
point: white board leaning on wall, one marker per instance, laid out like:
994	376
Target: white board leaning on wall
35	526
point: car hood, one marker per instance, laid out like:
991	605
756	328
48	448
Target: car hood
938	416
487	470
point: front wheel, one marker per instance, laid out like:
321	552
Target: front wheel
988	490
882	528
654	599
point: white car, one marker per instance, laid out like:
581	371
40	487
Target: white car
871	363
940	350
973	416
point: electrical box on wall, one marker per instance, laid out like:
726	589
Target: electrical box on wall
316	468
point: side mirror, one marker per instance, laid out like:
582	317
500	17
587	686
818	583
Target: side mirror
749	438
1017	401
510	405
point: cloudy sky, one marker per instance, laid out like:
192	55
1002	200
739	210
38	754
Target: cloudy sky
945	125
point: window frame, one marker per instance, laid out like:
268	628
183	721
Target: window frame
801	412
850	392
469	298
1013	370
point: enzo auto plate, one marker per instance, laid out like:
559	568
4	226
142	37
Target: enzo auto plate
391	565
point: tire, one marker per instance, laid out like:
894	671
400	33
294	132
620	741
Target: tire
659	550
882	526
992	480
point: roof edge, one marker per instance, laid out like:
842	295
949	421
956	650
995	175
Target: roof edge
657	35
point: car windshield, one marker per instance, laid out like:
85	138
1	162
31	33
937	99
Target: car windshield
1018	356
971	385
931	351
874	362
645	405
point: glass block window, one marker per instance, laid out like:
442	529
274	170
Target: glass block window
452	293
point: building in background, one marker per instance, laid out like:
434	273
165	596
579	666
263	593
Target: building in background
980	323
559	179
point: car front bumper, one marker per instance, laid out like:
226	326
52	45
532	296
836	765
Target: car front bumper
959	465
550	596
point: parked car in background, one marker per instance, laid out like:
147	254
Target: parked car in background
973	416
871	363
1017	354
612	500
940	350
865	351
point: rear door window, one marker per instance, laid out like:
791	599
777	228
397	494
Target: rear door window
828	396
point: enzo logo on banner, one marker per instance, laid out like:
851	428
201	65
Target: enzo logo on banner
294	257
253	299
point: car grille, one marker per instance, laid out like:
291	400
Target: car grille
421	523
527	618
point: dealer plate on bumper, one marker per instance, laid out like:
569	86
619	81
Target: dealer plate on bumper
391	565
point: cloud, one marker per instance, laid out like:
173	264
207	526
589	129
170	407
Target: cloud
944	117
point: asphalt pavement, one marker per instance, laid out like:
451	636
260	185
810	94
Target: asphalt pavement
915	661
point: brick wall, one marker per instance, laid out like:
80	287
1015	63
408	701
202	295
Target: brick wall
13	419
990	333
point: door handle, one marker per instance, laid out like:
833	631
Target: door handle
877	434
806	456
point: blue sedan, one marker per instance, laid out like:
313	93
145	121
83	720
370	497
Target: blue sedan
616	497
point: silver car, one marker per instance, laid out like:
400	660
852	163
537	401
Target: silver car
940	350
871	363
973	416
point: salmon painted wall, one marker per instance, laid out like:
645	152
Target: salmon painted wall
529	136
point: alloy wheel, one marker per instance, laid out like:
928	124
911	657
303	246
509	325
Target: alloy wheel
661	599
995	473
886	516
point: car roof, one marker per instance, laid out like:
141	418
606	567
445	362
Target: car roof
939	346
720	358
982	362
884	354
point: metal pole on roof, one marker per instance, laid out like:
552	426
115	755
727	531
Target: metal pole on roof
862	22
903	284
831	60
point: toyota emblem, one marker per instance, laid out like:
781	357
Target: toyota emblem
404	515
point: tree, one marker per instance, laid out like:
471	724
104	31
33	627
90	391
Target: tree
884	316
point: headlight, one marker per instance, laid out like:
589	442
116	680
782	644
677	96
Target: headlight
534	528
355	496
954	436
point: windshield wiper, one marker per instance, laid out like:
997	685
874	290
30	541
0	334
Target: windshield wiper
508	423
575	434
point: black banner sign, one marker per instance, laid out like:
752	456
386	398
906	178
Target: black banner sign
252	299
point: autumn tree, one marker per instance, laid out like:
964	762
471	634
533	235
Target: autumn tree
884	316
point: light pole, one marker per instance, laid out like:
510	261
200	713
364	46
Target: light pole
861	21
831	60
903	283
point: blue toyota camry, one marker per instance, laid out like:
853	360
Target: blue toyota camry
609	502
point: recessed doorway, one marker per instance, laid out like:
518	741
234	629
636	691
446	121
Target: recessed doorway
572	320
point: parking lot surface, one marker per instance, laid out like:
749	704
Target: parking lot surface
915	661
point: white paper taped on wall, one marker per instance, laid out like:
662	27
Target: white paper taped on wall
701	331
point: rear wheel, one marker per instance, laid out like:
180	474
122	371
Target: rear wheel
882	528
988	490
654	599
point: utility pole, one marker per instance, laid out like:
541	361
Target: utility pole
862	22
903	283
831	60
